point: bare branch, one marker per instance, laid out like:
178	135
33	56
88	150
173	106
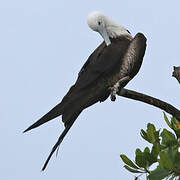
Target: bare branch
150	100
176	73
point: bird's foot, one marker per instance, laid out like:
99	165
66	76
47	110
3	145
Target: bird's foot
113	97
118	86
114	90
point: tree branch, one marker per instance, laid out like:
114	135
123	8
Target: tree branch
150	100
176	73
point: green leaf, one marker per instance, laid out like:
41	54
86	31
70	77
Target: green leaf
175	126
144	135
174	122
141	160
154	152
156	135
167	120
151	127
132	170
146	150
171	152
168	138
127	161
150	135
158	174
155	149
150	132
148	157
165	161
177	133
177	160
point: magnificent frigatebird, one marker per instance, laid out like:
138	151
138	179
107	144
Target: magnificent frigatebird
108	69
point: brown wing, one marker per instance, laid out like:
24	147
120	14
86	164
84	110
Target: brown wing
89	87
133	58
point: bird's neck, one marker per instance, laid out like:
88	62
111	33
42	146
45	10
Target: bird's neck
118	31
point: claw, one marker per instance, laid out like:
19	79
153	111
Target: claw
114	90
113	97
116	87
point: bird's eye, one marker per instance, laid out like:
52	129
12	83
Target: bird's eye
99	23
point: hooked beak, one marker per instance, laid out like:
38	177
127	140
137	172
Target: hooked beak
102	30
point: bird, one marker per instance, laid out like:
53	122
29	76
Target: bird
107	70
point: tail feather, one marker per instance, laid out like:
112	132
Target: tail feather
67	127
55	112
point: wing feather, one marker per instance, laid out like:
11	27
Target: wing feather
105	61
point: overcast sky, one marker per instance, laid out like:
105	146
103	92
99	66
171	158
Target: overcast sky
43	45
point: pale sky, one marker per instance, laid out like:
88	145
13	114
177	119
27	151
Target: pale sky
43	45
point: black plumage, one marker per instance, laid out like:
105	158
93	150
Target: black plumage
107	65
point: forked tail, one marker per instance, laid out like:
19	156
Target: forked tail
53	113
67	127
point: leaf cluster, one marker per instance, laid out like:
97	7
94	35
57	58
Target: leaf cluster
164	151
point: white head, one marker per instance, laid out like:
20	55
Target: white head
105	26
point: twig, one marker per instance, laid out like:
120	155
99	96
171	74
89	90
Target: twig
176	73
150	100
